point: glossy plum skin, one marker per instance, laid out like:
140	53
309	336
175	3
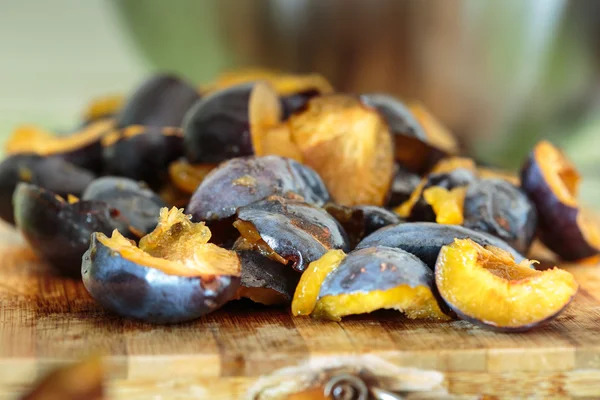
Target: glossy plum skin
144	157
501	209
136	291
459	177
360	221
557	222
403	185
361	271
297	231
160	101
57	231
259	271
217	128
139	205
52	173
425	239
242	181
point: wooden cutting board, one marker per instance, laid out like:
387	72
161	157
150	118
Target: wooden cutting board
46	320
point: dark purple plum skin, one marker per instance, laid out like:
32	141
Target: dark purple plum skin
360	221
161	101
404	183
361	271
505	329
297	231
144	157
259	271
501	209
422	211
557	222
57	231
136	291
217	128
139	205
52	173
220	194
425	239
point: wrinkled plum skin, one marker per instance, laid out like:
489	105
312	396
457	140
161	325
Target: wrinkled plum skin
397	115
144	157
221	193
59	232
161	101
361	271
501	209
147	294
425	239
295	230
139	205
360	221
459	177
52	173
217	128
557	222
403	185
259	271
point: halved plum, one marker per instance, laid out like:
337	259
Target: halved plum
265	281
487	287
349	145
379	278
552	183
439	197
425	239
501	209
139	205
59	231
82	148
289	231
242	181
174	275
142	153
160	101
51	173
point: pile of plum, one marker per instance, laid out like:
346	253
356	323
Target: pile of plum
175	200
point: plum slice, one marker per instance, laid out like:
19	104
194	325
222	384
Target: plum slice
379	278
174	275
187	177
552	183
350	147
289	231
485	286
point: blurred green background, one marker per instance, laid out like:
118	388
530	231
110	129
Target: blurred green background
500	74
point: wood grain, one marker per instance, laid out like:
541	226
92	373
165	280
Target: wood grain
46	320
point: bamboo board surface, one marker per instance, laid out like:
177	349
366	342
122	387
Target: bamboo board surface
46	320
